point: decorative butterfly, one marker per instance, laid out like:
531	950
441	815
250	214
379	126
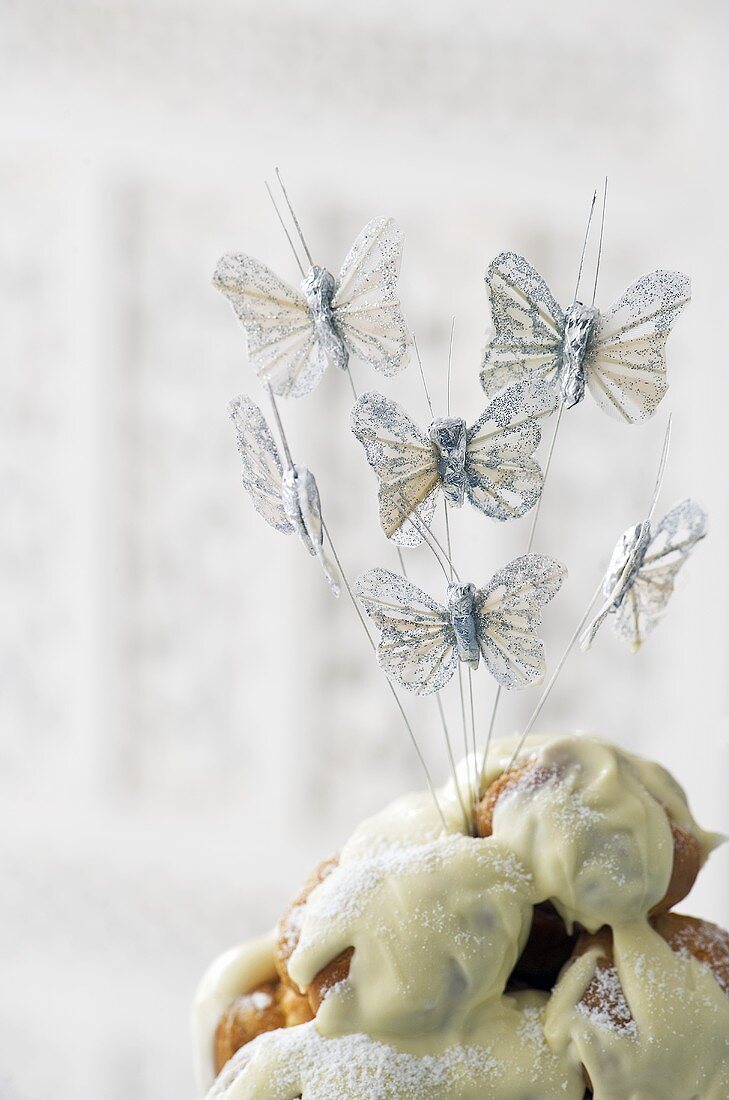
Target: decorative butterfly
288	500
490	462
293	335
422	642
619	355
639	580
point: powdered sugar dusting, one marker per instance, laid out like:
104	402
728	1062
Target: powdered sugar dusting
347	891
605	1005
299	1062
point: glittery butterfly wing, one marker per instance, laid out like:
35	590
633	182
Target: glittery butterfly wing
366	309
509	614
261	466
417	640
405	463
527	324
282	344
673	540
625	364
502	479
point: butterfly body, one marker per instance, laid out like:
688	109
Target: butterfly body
319	287
302	505
627	560
448	436
579	325
462	610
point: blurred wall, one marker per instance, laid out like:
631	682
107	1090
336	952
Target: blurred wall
188	722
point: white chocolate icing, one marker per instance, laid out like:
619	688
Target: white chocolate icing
470	894
437	921
502	1057
678	1043
232	975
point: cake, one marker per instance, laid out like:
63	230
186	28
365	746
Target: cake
513	935
539	959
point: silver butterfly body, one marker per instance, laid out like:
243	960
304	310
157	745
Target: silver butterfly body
461	601
293	335
579	326
287	499
640	577
449	436
619	355
319	287
490	463
422	642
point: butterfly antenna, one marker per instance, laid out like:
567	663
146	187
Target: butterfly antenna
661	467
283	226
295	219
395	696
599	247
450	366
281	432
452	762
427	535
401	559
422	375
584	243
553	678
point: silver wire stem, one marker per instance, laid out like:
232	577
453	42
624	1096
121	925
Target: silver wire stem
279	424
395	696
466	749
547	465
426	535
452	761
489	735
473	735
348	372
553	678
530	544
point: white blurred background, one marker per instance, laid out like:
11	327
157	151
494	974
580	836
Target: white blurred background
188	721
